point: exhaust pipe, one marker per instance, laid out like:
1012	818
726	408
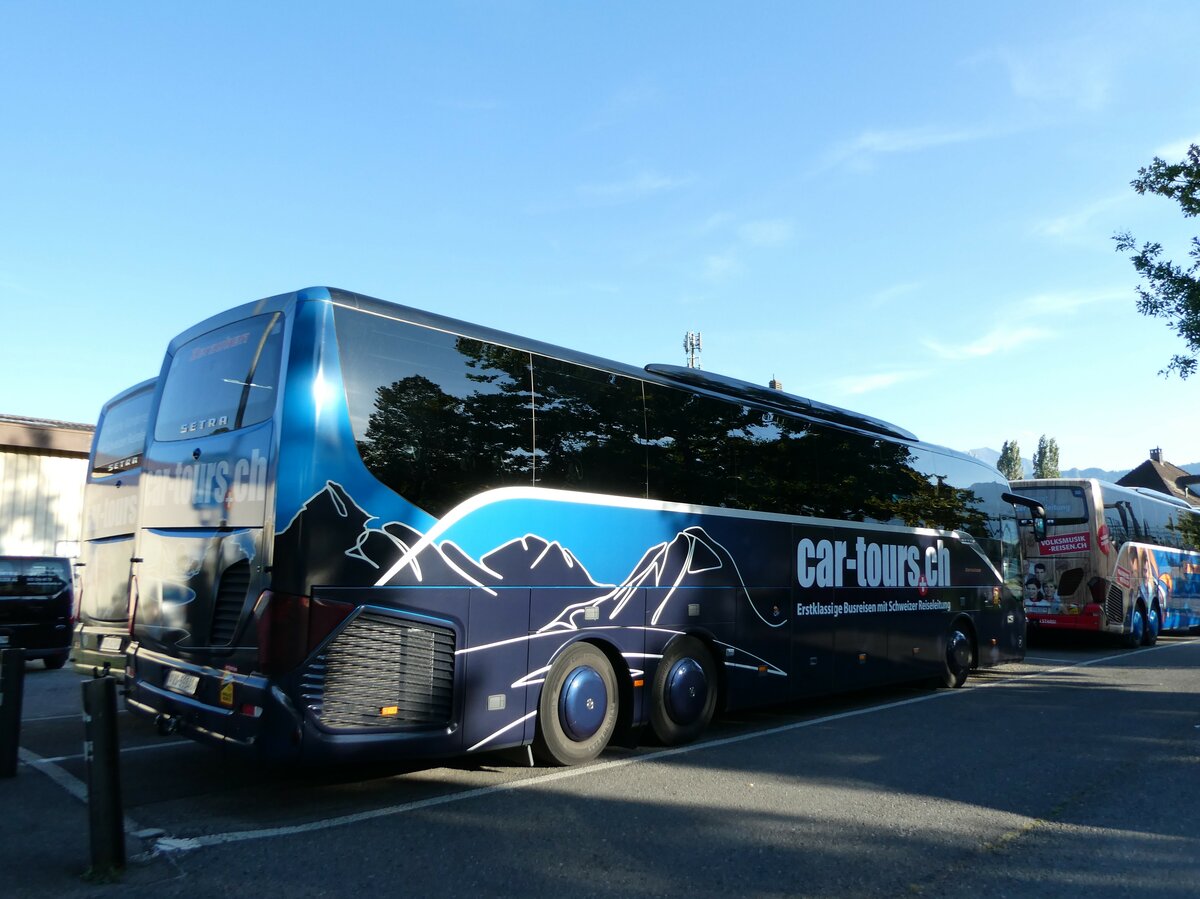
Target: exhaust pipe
166	725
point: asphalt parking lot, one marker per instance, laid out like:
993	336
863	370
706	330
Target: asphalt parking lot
1076	772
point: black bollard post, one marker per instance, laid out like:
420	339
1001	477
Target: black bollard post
106	819
12	684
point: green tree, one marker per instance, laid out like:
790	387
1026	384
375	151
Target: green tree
1170	291
1010	463
1045	458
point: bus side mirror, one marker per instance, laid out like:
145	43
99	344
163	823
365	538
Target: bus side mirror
1037	513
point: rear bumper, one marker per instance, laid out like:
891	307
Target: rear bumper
257	716
1066	622
225	708
97	645
45	638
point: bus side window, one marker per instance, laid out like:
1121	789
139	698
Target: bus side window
1117	530
587	427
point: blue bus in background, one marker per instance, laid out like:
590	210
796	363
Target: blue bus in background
365	530
110	509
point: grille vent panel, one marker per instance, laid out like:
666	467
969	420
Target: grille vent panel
230	600
1114	604
382	662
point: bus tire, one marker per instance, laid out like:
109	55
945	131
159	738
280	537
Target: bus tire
577	711
1137	629
1150	635
959	657
56	661
683	695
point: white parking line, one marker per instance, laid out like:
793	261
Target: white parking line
53	760
66	780
78	716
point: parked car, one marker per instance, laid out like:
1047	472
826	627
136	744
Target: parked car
37	607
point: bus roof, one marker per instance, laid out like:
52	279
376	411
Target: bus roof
1106	487
721	386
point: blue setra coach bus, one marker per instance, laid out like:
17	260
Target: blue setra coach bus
371	531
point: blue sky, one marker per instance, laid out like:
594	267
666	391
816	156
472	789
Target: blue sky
906	209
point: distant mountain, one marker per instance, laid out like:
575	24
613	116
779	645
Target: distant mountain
991	457
1098	473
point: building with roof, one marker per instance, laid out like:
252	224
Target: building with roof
1157	474
43	466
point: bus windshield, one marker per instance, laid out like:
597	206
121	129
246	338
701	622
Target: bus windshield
1064	505
122	435
223	380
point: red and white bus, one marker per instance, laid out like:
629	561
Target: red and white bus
1114	560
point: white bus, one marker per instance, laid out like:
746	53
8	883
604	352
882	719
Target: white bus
110	502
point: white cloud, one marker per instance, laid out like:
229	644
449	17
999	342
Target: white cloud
866	383
766	233
628	103
629	190
465	104
718	265
1027	320
861	151
1003	339
761	233
895	291
1066	302
715	222
1174	152
1075	72
1074	223
910	140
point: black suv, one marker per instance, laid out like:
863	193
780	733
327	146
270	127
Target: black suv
37	607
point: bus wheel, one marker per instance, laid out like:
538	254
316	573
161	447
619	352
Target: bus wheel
1137	629
684	692
56	662
1150	634
577	711
960	655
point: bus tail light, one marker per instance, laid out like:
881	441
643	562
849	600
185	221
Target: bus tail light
290	627
133	601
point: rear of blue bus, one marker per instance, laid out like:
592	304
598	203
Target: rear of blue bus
231	612
110	508
204	526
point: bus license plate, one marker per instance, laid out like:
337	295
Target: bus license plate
110	644
182	682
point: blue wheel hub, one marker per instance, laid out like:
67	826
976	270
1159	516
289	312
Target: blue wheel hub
1153	623
959	650
686	691
1138	625
583	703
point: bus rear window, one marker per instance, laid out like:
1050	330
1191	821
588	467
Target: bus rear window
223	380
1064	505
122	436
